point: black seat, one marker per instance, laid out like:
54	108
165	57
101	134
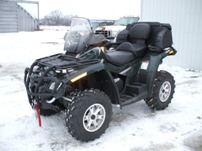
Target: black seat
128	51
119	58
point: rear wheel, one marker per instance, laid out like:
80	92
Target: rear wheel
162	91
89	115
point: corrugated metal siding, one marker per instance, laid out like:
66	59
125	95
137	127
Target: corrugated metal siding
25	21
14	18
8	17
185	16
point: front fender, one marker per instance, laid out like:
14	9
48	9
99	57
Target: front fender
84	71
105	81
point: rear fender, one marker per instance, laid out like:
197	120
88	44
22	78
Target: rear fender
149	67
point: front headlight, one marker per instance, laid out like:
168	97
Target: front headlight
115	39
52	86
68	70
115	33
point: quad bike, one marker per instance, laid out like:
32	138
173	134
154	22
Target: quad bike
86	81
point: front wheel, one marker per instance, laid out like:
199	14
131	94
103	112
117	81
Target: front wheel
162	91
89	115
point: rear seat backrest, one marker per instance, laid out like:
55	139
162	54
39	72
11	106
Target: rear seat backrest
139	33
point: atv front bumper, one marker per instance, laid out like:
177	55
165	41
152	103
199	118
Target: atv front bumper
49	78
43	90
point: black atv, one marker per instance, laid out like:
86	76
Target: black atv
87	80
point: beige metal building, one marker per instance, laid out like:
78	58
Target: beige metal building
185	16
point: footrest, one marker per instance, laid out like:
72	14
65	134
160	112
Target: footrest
135	88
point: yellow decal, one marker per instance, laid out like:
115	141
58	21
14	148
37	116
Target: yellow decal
79	77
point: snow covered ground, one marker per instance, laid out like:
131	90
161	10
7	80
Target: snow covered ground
134	128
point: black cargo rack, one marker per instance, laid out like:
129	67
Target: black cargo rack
64	61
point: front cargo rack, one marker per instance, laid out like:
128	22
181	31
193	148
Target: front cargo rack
64	61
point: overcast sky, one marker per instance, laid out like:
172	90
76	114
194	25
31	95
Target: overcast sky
93	9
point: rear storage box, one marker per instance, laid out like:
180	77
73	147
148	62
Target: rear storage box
160	36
